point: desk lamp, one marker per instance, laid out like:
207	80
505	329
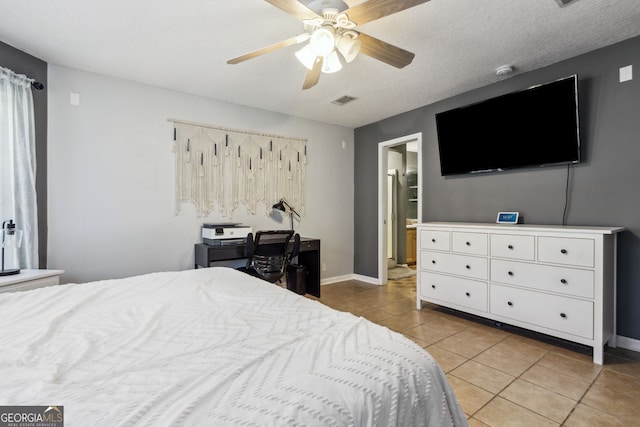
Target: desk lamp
285	207
11	238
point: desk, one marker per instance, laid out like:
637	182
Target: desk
309	256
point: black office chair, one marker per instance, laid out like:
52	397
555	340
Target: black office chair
268	254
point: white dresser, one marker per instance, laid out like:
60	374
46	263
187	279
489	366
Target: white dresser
557	280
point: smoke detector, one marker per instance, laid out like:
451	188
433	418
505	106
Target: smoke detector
504	70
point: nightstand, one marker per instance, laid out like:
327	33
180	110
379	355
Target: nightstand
30	279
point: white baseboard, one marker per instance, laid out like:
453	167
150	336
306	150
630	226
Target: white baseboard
367	279
336	279
628	343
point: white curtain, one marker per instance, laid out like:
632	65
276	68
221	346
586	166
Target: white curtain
18	162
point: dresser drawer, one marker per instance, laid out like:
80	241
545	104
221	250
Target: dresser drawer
569	251
462	265
512	246
469	243
569	281
562	314
453	290
434	239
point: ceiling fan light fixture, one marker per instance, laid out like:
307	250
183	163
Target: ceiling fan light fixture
307	57
331	63
349	47
323	41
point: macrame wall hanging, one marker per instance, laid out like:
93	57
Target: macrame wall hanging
219	169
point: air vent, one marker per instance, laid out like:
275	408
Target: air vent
343	100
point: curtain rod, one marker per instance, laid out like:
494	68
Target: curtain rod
246	132
35	84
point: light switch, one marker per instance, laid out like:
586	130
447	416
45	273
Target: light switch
626	73
74	98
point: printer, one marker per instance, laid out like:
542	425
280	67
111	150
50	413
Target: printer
225	234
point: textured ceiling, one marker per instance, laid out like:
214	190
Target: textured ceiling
184	46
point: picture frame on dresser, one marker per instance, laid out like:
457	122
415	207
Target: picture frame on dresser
556	280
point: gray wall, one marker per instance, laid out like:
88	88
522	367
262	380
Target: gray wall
94	211
604	187
22	63
112	183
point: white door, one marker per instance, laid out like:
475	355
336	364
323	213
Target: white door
392	206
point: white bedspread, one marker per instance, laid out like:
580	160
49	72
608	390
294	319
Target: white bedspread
211	347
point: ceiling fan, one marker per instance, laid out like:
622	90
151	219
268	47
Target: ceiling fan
330	27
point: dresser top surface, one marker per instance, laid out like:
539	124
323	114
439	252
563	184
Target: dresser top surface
26	275
525	227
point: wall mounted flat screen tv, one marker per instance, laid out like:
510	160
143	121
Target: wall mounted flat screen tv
537	126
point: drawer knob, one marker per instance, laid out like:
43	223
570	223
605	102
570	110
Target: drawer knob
510	246
509	303
564	316
563	251
468	243
563	281
433	261
433	240
468	267
467	294
433	286
510	273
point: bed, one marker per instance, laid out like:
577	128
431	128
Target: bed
211	347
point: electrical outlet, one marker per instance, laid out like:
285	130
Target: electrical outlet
74	99
324	266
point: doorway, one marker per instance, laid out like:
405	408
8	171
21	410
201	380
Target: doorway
386	239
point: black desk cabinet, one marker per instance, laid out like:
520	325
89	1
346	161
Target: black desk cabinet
309	256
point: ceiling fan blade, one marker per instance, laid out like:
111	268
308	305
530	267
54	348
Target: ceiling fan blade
376	9
285	43
385	52
295	8
313	75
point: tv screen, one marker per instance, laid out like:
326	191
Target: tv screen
537	126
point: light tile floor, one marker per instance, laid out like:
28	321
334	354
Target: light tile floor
503	376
